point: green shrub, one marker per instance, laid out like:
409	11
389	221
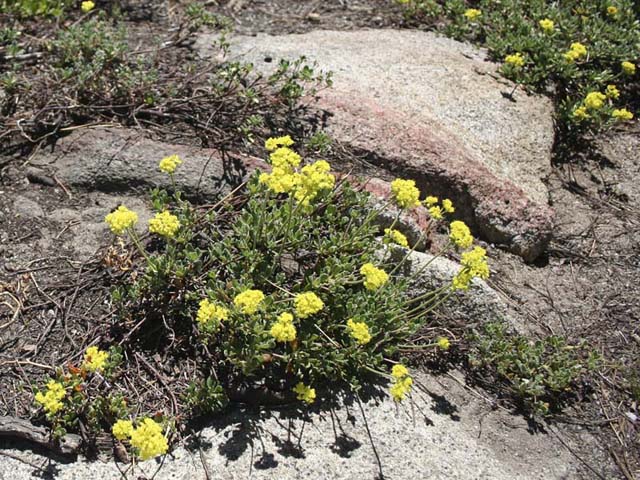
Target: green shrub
32	8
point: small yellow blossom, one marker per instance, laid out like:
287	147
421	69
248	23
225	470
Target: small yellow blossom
612	10
122	429
472	13
580	113
576	51
210	314
612	92
165	224
121	220
374	277
51	400
628	68
430	201
148	439
399	371
447	206
436	213
284	157
594	100
405	193
87	6
474	264
170	163
95	359
359	331
444	343
547	25
304	393
284	330
401	382
275	142
395	236
307	304
312	180
248	301
622	114
516	60
460	234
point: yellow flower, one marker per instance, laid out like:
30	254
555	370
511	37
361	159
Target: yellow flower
399	371
430	201
401	388
87	6
284	157
248	301
312	180
122	429
94	359
444	343
374	277
148	439
284	330
272	143
580	113
121	220
304	393
628	68
576	51
472	13
474	264
547	25
359	331
622	114
280	180
165	224
516	60
307	304
51	400
436	213
612	10
612	92
594	100
460	234
447	206
170	163
210	314
395	236
405	193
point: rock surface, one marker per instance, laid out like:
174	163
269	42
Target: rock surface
433	109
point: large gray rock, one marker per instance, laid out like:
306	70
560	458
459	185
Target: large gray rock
433	109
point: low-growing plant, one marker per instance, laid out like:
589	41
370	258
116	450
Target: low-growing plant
540	375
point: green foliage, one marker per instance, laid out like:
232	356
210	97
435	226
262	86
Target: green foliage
540	374
32	8
206	397
513	26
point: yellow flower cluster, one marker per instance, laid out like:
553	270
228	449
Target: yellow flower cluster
628	68
87	6
576	52
401	382
165	224
622	114
460	234
312	180
276	142
51	400
444	343
547	25
580	113
284	330
210	315
516	60
472	13
436	212
122	429
395	236
121	220
95	359
359	331
612	10
447	206
170	163
307	304
594	101
304	393
374	277
248	301
148	439
612	92
474	264
430	201
405	193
